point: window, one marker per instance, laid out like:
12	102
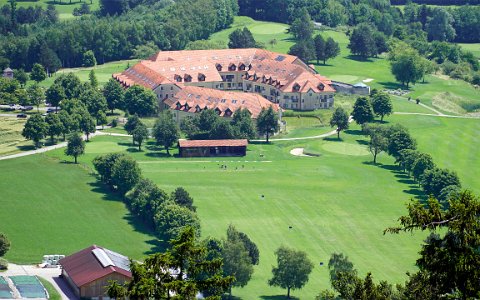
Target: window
229	85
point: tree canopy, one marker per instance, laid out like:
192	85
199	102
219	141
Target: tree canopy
75	146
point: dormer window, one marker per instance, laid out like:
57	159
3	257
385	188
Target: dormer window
255	76
186	108
241	67
179	105
187	78
228	112
219	67
201	77
249	67
264	79
232	67
321	86
296	87
218	111
178	78
197	109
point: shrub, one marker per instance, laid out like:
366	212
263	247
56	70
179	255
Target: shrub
3	264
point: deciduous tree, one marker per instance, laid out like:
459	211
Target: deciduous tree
267	122
362	111
38	73
36	95
139	134
166	131
141	101
292	271
113	93
183	198
35	129
55	126
382	105
75	146
125	173
54	95
340	120
172	219
4	244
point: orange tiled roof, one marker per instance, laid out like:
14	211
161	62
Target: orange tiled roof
194	99
212	143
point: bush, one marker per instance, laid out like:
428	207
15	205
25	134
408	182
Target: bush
114	123
3	264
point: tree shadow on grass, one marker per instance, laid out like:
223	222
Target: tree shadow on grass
358	58
332	139
232	297
26	147
107	194
160	154
277	297
392	85
354	132
362	142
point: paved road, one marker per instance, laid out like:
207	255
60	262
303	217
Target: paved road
50	274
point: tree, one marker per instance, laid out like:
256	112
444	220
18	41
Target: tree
145	200
49	59
340	120
171	219
181	197
75	146
21	76
125	174
439	26
250	246
69	123
94	101
113	93
222	130
36	95
382	105
131	124
319	43
55	126
407	66
38	73
236	261
332	49
422	162
89	59
267	122
303	49
141	101
54	95
399	139
93	79
145	51
343	276
449	258
196	273
406	159
4	244
362	41
292	271
103	164
378	139
435	180
241	38
243	124
86	124
139	134
71	84
166	131
35	129
362	111
22	97
302	27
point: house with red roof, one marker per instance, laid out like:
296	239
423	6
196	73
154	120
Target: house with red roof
280	78
89	271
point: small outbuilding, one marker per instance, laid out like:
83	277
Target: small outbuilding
8	73
206	148
89	271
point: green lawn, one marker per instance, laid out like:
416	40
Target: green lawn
472	47
453	144
64	7
11	135
333	202
50	207
103	72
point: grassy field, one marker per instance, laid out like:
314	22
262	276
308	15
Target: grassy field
473	47
327	208
50	207
103	72
64	7
453	144
11	139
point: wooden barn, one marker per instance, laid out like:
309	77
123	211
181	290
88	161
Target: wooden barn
206	148
90	270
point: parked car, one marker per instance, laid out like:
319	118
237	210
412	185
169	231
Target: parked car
23	116
50	110
25	108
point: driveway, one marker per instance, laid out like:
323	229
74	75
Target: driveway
50	274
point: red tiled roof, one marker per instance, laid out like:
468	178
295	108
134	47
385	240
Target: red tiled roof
83	267
212	143
212	99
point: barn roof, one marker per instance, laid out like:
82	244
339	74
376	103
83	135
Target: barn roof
94	262
212	143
